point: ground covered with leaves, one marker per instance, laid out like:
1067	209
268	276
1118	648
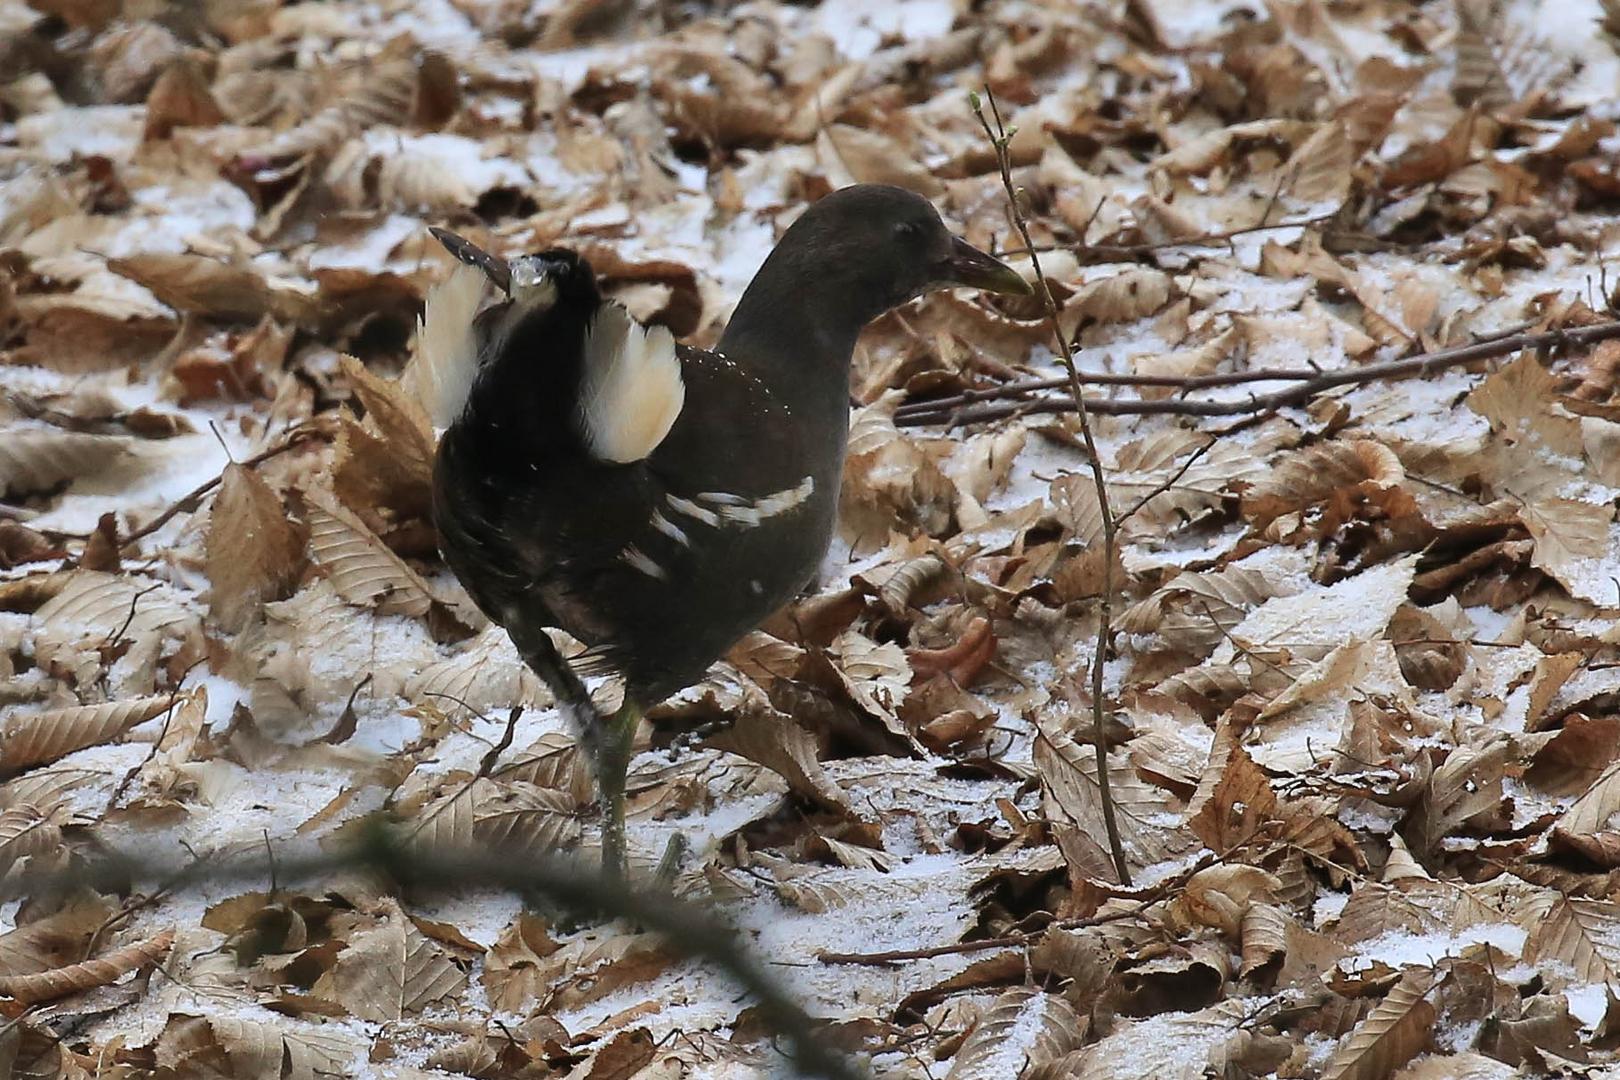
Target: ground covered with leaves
1361	663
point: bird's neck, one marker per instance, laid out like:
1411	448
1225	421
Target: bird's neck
793	335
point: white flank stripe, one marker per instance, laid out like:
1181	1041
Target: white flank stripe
692	510
638	559
632	390
739	510
670	529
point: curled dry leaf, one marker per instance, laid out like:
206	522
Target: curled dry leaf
60	982
889	479
1356	470
961	662
1221	896
1586	827
777	741
1264	938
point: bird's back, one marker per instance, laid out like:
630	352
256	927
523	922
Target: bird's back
658	563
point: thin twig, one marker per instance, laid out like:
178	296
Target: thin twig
1426	364
1000	138
487	765
294	438
1210	239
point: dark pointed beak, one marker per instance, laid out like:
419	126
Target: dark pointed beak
967	265
494	267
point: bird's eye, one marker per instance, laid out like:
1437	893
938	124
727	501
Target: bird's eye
907	230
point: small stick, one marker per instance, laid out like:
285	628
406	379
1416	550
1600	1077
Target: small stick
1426	364
1000	138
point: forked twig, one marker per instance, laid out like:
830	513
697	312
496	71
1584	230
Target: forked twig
1000	138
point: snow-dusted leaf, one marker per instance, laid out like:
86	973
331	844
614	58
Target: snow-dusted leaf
1585	934
1022	1028
1571	536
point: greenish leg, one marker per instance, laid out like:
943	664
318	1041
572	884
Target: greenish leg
621	729
670	864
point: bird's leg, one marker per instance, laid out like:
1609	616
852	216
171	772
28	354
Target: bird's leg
612	763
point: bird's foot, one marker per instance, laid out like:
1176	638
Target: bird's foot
670	864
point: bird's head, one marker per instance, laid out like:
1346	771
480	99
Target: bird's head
884	245
532	281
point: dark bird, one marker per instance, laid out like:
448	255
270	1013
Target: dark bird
658	501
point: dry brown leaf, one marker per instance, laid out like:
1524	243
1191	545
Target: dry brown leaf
1068	770
1585	934
180	98
512	816
1124	297
1234	800
360	566
514	973
197	285
35	739
60	982
778	742
870	157
279	1047
1395	1032
36	458
1183	363
1023	1024
390	970
26	830
254	553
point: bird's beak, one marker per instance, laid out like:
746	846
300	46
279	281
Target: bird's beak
967	265
497	269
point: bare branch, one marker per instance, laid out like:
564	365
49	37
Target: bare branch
1000	139
962	410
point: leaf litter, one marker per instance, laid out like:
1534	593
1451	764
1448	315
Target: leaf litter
1360	699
